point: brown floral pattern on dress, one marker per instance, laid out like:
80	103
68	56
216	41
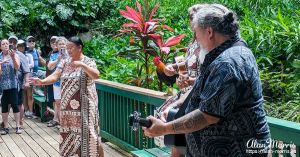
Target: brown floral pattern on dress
71	109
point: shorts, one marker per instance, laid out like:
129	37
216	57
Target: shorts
10	96
50	93
57	92
20	96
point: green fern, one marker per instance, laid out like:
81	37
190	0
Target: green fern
74	23
64	12
22	10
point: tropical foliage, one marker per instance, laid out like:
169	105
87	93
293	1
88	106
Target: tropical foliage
270	27
143	30
43	19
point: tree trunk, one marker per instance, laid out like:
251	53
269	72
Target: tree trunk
147	69
160	85
145	43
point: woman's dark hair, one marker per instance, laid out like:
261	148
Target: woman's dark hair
77	41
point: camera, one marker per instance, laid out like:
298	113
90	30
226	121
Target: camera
11	47
63	53
62	50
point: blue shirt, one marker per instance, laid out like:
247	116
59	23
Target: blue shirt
35	56
228	87
54	57
8	78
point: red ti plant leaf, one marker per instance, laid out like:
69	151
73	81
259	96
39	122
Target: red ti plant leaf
132	15
133	26
157	39
149	26
128	24
165	47
125	30
152	12
174	40
127	15
167	27
139	7
135	15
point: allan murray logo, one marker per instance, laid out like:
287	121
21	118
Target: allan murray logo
269	146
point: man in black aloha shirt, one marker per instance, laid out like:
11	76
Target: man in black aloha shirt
224	115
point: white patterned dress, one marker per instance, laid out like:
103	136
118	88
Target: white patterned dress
79	130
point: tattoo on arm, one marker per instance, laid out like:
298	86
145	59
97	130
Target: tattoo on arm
189	123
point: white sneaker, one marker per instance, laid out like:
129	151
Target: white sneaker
27	113
33	116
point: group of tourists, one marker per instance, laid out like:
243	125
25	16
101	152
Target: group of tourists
69	79
221	97
19	60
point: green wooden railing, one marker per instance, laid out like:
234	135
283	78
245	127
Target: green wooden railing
287	132
117	101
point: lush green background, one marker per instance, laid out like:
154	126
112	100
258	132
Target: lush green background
44	18
270	27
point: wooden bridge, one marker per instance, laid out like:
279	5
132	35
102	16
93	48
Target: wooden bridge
116	102
38	140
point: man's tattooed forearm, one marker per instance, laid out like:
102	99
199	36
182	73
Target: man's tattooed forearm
191	122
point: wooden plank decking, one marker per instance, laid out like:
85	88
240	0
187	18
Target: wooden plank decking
38	140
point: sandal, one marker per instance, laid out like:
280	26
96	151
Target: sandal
51	121
4	131
53	124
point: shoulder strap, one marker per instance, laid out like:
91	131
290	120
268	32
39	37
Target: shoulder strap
84	114
182	108
37	53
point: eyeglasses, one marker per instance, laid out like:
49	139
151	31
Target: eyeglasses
31	41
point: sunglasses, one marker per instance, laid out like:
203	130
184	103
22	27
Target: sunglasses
31	41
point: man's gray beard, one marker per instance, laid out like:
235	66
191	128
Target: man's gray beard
203	53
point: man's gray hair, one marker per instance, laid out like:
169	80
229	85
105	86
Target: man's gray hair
59	39
218	17
194	9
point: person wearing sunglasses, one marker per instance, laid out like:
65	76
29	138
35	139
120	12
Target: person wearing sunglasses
38	61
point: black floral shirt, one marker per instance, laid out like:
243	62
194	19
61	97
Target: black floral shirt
228	87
